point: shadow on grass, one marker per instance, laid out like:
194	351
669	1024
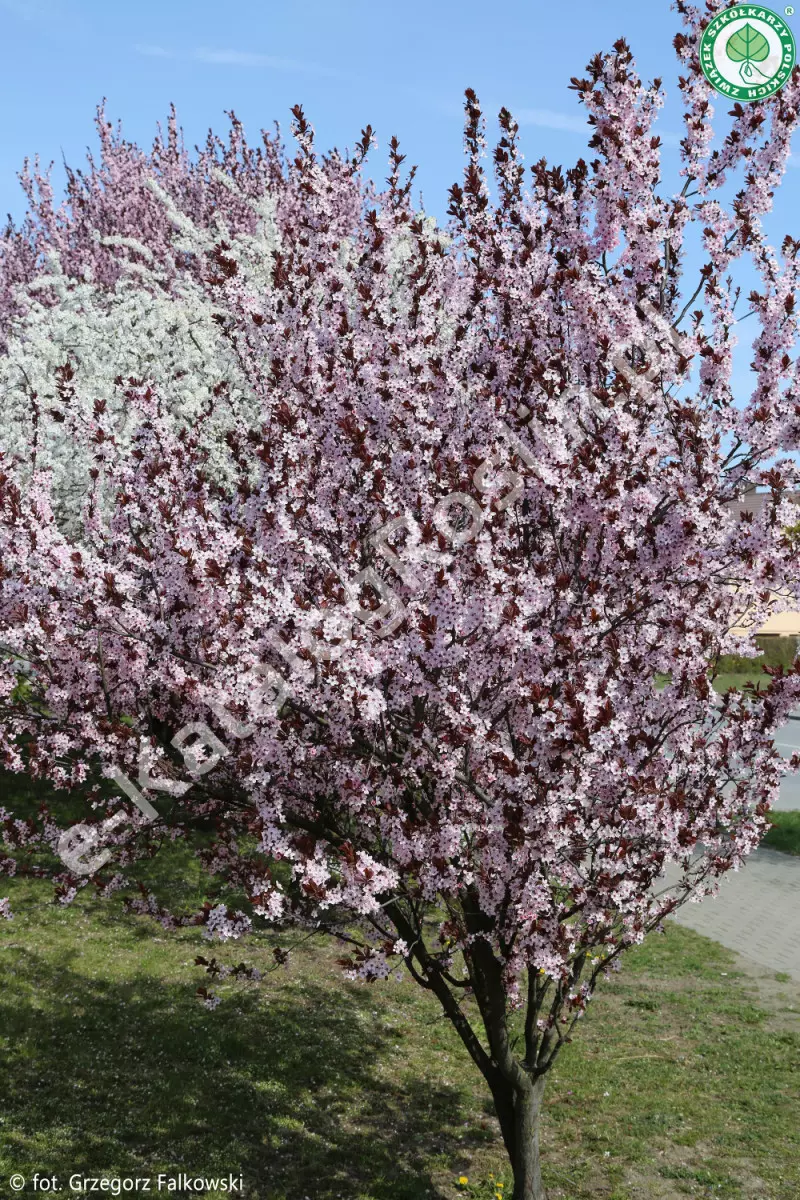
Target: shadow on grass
109	1065
131	1078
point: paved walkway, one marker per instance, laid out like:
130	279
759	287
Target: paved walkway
757	912
787	740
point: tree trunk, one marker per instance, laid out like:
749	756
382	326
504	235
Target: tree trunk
525	1160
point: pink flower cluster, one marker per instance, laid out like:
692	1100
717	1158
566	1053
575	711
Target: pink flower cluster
503	754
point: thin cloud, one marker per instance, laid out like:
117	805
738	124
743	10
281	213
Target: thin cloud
245	58
154	51
239	58
38	11
28	10
546	118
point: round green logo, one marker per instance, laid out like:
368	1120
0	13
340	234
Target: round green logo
747	52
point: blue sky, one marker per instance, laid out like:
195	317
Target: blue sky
402	67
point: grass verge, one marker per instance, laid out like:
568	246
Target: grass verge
682	1080
784	833
725	681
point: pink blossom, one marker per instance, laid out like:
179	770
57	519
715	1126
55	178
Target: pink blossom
407	542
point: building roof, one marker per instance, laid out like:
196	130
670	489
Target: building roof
755	498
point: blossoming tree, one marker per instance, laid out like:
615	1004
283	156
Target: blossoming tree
367	541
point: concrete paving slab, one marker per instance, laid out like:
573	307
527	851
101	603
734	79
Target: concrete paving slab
757	912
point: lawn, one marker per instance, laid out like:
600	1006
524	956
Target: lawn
737	680
727	680
785	832
682	1081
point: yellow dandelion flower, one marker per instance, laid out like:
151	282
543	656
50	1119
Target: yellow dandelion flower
462	1179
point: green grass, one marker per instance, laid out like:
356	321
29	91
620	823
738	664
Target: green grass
785	832
727	680
724	682
680	1078
681	1081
